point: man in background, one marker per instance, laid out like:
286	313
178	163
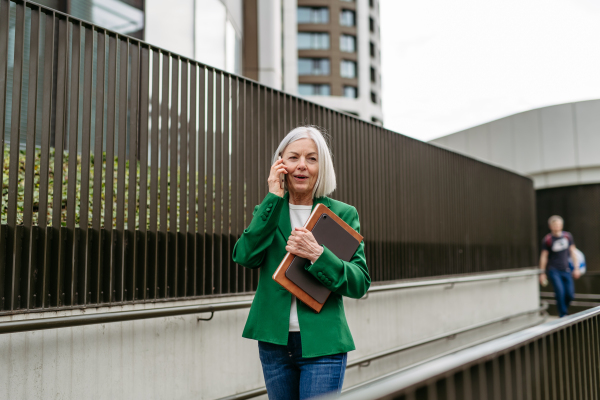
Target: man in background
554	263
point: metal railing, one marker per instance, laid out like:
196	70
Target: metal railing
504	276
557	360
581	299
366	361
129	172
118	316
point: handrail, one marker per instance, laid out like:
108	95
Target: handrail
582	296
453	281
462	359
451	351
588	304
118	316
386	353
258	392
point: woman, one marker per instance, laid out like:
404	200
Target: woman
303	354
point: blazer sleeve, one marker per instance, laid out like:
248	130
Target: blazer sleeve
251	247
347	278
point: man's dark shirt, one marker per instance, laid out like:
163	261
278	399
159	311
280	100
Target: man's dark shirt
558	250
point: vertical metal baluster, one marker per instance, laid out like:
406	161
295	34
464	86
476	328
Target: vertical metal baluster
30	233
163	235
45	248
13	238
153	235
83	250
208	237
217	233
593	367
182	239
60	136
527	379
202	230
131	266
144	251
172	256
236	179
119	290
252	132
110	248
72	259
226	230
245	107
4	28
97	229
193	215
554	367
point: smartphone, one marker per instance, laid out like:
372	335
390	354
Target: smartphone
281	176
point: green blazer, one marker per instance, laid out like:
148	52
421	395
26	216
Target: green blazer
262	245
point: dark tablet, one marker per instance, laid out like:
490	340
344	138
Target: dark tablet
329	233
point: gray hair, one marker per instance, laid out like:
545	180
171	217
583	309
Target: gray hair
325	183
555	218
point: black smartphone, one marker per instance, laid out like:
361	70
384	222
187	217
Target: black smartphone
281	176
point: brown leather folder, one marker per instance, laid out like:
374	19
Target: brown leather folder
331	231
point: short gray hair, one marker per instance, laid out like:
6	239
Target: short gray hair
555	218
326	183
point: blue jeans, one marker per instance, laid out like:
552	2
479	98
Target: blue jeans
564	289
289	376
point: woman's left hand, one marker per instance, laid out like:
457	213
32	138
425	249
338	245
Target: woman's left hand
303	244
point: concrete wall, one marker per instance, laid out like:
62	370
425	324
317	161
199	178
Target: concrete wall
183	358
555	146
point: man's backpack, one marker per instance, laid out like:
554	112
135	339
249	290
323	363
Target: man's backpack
581	259
548	238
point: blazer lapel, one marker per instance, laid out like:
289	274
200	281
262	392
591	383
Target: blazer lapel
285	225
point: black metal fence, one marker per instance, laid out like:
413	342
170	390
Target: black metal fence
578	205
129	172
556	360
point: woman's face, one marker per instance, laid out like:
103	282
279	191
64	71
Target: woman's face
301	159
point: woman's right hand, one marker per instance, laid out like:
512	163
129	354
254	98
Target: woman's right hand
276	169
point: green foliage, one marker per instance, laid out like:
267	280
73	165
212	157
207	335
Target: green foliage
64	190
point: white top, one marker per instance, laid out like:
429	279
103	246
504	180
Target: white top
298	217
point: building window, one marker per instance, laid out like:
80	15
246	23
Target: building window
371	24
313	41
310	89
348	43
313	15
347	18
374	97
313	66
348	69
373	75
351	92
371	3
372	49
377	121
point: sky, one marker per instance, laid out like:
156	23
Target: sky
451	65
